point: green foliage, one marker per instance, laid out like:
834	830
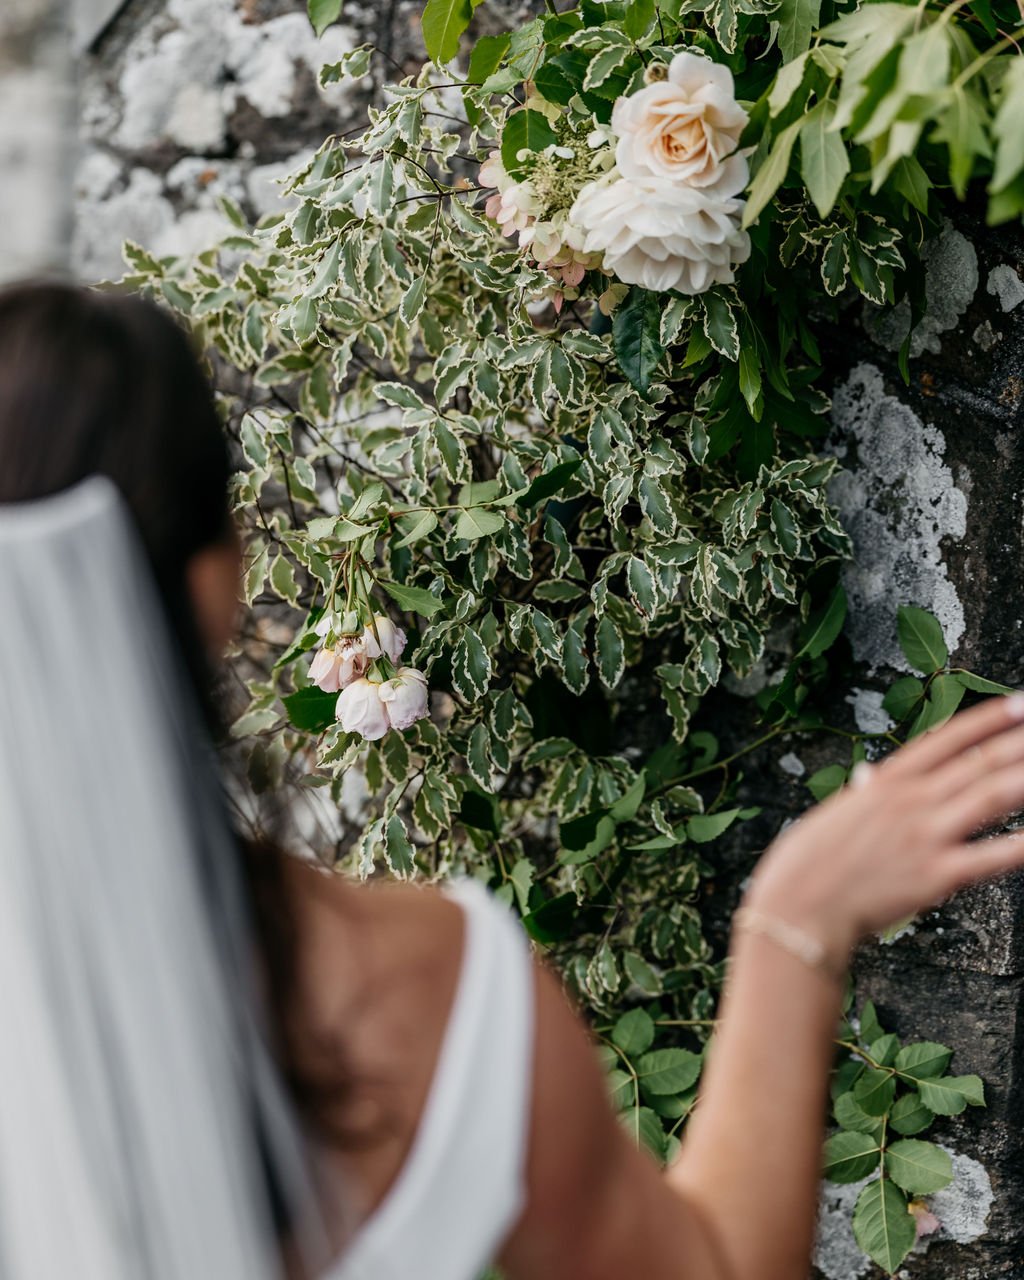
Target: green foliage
586	524
883	1093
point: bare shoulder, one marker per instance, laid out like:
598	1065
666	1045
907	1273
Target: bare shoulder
377	970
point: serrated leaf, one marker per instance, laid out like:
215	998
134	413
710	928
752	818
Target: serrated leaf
921	639
824	159
634	1032
796	19
924	1060
920	1168
902	697
412	599
824	782
909	1115
850	1156
311	709
945	693
874	1092
526	130
950	1095
443	23
703	827
476	522
322	13
883	1225
668	1071
978	684
636	338
471	665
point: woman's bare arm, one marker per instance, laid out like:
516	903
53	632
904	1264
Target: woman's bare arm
739	1203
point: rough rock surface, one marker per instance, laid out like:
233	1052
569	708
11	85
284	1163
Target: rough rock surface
184	100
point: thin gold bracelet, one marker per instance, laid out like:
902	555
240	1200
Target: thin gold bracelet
810	951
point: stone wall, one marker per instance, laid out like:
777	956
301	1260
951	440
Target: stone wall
184	100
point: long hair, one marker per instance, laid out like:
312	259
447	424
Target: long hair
105	384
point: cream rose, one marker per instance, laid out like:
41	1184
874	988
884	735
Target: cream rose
686	128
662	234
392	639
405	697
360	710
333	668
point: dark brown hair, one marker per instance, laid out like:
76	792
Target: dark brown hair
94	383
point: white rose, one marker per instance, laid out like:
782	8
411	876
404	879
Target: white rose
405	697
392	639
663	234
333	669
686	128
360	710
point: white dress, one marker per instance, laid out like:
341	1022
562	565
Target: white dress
463	1185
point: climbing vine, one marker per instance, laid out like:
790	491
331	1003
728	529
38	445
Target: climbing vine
526	386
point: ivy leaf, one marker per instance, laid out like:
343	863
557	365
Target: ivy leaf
921	639
412	599
322	13
850	1156
824	159
526	130
883	1225
443	23
920	1168
636	338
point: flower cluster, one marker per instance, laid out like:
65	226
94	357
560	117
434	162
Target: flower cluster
662	209
375	693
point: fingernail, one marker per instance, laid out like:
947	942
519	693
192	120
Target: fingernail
1015	705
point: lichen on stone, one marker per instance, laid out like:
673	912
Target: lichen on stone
1005	284
898	500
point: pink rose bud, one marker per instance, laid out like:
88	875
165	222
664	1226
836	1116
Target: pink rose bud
360	710
405	697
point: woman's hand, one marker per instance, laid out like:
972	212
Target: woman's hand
897	839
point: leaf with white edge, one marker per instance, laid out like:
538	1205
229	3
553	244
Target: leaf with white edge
824	159
398	850
575	663
611	652
883	1225
476	522
282	580
442	23
634	1032
789	79
412	599
851	1156
305	320
642	590
920	1168
921	639
603	65
720	324
471	666
668	1071
322	13
522	875
413	299
416	527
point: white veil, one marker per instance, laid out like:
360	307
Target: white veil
132	1076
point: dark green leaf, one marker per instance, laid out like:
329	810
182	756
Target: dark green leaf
526	130
920	1168
850	1156
921	639
636	337
667	1071
548	483
443	23
413	599
311	709
883	1225
634	1032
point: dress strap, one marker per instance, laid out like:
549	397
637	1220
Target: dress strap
463	1186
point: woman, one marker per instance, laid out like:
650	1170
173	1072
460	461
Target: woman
451	1104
